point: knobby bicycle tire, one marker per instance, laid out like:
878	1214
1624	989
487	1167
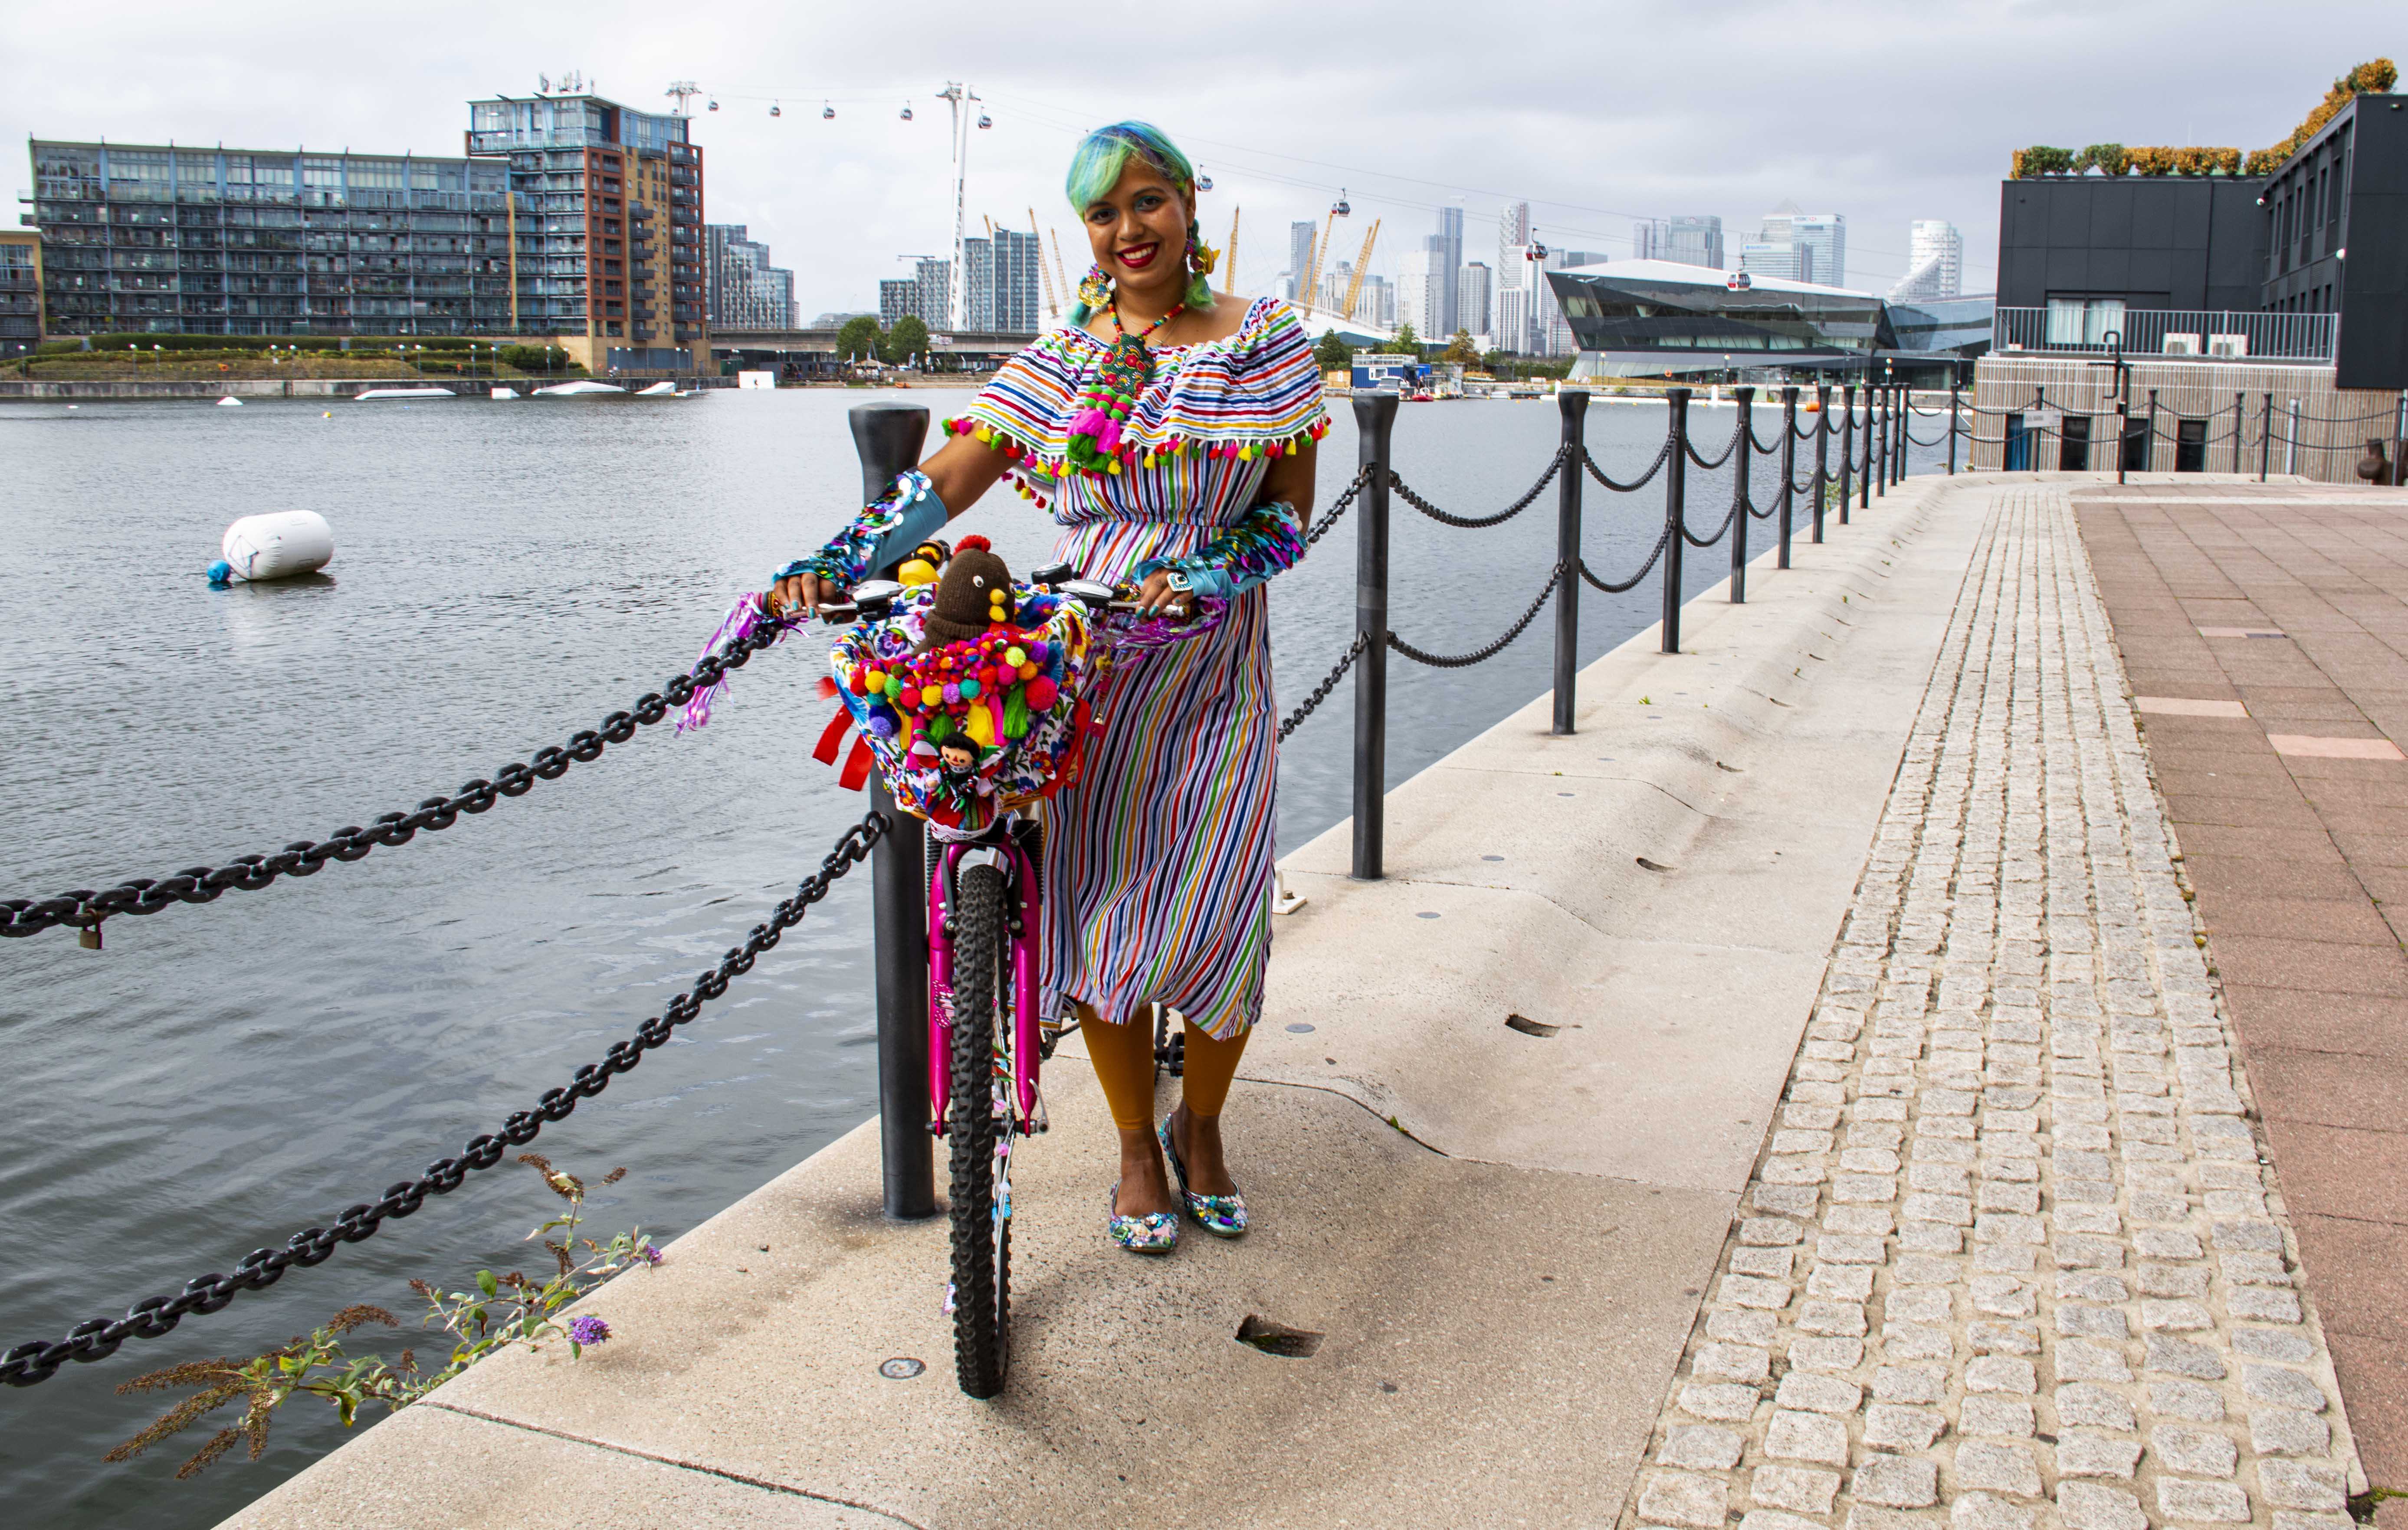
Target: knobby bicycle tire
982	1237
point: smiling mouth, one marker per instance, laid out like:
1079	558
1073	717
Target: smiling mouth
1137	257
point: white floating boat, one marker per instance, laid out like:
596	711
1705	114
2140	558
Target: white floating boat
504	393
376	394
658	389
229	399
579	389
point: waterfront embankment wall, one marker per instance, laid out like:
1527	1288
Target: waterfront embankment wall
1504	1236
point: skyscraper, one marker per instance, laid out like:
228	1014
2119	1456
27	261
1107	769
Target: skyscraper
1935	261
1472	297
1419	290
1447	244
1300	236
1826	236
1014	282
1690	240
1779	260
745	291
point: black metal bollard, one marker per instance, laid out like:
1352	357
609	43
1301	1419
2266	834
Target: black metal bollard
1955	390
1905	430
1573	402
1375	417
2266	439
1743	448
1847	446
888	437
1822	452
2240	427
1865	478
1676	492
1880	474
1788	468
2149	457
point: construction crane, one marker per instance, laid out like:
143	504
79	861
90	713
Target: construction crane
1062	273
1320	254
1362	264
1052	306
1229	276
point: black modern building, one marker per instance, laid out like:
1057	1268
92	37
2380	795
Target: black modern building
2165	261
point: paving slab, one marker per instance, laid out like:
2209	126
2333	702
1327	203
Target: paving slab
2031	1268
2302	916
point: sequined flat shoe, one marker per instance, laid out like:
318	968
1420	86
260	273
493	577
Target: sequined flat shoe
1154	1233
1222	1216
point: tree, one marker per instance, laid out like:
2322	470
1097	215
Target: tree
1334	355
907	339
1460	351
859	337
1408	343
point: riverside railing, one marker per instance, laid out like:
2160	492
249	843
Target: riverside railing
888	438
2243	433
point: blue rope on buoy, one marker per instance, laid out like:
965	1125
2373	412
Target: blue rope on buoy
221	574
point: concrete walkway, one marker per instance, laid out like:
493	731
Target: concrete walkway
2011	1255
2265	631
1510	1239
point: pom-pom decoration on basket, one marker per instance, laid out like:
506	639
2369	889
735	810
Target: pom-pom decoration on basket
971	695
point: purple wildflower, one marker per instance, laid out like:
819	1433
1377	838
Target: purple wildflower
649	1254
583	1331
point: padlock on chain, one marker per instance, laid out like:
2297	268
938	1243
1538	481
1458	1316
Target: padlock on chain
88	937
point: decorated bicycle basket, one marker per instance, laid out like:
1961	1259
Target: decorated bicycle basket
970	696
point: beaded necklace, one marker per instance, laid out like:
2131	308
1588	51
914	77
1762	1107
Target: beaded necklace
1127	366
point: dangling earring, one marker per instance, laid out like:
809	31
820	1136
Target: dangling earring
1202	257
1094	288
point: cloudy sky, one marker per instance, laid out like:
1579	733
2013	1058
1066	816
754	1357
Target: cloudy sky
1595	111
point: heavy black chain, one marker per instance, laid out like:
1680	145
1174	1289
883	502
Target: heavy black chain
1328	682
96	1338
1765	514
1663	455
1404	491
1338	507
1464	660
1663	539
85	908
1710	466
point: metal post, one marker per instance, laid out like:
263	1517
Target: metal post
1676	489
1955	390
2123	436
1573	402
1788	468
2149	458
2240	427
1822	453
1865	478
1905	430
888	438
2266	439
1847	446
2398	431
2291	443
1743	448
1375	417
1877	464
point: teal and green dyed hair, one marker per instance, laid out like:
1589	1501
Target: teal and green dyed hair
1095	167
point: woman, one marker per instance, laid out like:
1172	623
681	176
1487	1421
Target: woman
1171	434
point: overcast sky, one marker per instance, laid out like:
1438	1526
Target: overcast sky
1595	113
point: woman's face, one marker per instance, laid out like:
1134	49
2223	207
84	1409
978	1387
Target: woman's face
1138	232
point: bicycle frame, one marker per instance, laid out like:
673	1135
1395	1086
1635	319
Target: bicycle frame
1004	843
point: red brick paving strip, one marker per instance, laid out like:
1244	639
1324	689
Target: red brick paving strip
2299	859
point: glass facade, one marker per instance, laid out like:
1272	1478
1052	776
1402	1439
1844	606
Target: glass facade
1643	311
20	291
231	242
569	216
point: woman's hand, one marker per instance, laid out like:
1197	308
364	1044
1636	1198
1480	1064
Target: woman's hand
803	593
1156	597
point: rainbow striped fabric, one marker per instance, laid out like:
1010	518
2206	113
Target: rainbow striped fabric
1158	861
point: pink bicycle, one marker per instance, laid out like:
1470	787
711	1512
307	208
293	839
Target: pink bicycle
975	781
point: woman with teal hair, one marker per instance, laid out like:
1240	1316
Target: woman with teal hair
1170	431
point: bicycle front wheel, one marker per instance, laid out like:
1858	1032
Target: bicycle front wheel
981	1219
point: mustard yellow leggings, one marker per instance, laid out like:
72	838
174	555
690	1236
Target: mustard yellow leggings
1124	1058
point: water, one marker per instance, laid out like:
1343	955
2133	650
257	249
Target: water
221	1076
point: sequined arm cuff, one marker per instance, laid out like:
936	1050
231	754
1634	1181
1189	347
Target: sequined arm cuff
884	533
1268	540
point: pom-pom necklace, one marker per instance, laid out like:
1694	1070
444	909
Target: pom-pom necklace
1127	366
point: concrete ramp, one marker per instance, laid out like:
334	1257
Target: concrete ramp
1500	1235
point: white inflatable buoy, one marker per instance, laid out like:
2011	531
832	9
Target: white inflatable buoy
229	399
274	547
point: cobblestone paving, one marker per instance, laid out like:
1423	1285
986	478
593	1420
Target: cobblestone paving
2012	1256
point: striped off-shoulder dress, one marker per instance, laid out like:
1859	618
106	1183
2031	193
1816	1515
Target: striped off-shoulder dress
1158	861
